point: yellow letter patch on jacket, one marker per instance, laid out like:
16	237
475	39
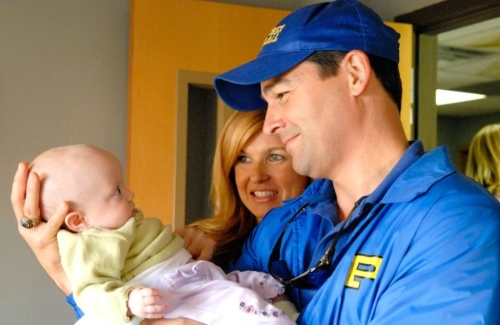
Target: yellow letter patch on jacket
365	267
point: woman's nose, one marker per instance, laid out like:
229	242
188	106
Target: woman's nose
259	173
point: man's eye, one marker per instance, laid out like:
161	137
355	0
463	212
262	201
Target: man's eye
282	95
118	191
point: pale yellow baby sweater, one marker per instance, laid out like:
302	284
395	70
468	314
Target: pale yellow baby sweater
99	262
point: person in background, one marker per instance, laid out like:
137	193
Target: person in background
263	164
411	240
123	265
483	162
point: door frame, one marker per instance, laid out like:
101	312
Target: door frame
450	14
427	23
184	80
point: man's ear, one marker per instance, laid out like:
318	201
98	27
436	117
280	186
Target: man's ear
359	70
76	222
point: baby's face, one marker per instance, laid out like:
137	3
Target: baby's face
109	203
91	180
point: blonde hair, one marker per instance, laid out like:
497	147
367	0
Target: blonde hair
231	221
483	162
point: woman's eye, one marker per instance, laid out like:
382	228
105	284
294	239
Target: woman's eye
243	159
276	157
118	191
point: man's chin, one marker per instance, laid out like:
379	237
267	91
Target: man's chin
300	167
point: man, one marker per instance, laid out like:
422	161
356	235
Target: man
407	239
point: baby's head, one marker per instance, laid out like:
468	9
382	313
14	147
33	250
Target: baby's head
90	180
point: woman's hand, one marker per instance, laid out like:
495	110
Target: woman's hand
175	321
42	239
197	243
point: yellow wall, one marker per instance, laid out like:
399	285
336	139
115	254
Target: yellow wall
406	71
171	35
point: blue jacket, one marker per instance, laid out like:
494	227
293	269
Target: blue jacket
427	252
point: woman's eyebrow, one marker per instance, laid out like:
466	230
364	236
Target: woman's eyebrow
276	149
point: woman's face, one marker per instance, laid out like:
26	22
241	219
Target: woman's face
264	174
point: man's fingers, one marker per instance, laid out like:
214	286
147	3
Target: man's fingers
45	233
31	204
57	219
19	189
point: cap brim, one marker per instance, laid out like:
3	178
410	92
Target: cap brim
240	88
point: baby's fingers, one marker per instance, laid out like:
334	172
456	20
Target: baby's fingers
155	311
153	306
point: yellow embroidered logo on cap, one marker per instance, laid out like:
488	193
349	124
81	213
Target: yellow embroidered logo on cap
273	36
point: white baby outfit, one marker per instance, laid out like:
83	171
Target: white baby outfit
201	291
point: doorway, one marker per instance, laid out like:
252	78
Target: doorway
201	115
457	45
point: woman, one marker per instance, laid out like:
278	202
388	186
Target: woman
483	163
252	174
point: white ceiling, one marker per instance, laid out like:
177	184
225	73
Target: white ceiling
469	60
387	9
469	57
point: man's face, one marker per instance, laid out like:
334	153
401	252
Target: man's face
308	114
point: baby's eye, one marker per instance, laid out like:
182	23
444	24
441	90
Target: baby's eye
118	191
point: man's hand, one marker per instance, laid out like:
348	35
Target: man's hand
41	239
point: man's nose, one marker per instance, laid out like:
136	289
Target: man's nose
273	122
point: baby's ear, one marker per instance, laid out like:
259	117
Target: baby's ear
76	222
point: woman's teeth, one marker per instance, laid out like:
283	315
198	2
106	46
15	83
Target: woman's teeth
264	193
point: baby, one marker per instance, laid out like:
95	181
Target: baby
122	265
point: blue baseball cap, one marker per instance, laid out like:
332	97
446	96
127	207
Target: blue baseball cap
341	25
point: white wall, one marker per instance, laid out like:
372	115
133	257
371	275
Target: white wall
387	9
63	80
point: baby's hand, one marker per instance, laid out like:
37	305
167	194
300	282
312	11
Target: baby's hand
145	302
